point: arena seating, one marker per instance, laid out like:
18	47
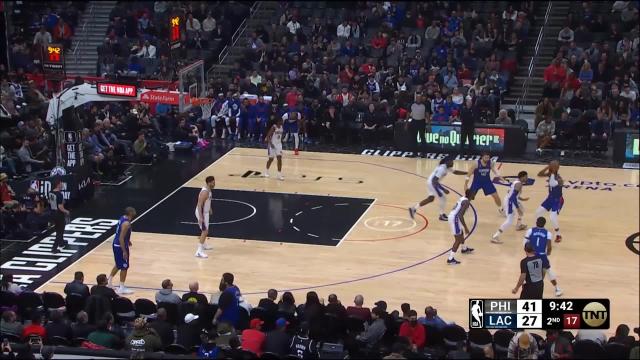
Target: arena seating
334	333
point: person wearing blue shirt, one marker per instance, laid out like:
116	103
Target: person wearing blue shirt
258	117
229	302
233	115
431	318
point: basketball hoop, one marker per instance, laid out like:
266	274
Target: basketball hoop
200	101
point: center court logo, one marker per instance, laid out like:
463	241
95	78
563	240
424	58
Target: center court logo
594	314
476	314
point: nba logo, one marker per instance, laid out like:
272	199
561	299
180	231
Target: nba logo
476	314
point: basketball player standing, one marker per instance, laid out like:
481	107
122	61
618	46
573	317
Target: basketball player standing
540	238
203	211
274	146
292	121
121	245
455	219
531	275
436	189
554	201
512	205
482	179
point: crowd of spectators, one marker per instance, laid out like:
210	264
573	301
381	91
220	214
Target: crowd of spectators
227	326
591	86
360	70
138	42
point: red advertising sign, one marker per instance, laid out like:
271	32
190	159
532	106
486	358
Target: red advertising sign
162	97
115	89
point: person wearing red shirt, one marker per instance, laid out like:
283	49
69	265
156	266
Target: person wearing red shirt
379	41
292	98
253	338
554	76
63	33
35	328
368	68
6	192
346	75
420	22
413	331
359	311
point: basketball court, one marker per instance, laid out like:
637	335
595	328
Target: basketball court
339	224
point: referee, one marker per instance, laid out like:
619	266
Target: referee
59	214
531	275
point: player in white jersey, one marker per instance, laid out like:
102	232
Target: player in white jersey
455	219
274	147
203	210
436	189
512	204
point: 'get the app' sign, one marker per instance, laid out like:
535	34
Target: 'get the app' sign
117	89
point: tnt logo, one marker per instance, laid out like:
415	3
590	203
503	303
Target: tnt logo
476	314
594	314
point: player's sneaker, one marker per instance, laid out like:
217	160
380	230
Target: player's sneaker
296	152
200	254
558	291
521	227
443	217
265	175
496	240
558	238
207	247
412	212
280	177
467	250
452	262
123	290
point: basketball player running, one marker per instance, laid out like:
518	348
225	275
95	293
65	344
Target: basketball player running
481	171
292	126
436	189
274	147
456	218
512	205
554	201
540	238
121	245
203	211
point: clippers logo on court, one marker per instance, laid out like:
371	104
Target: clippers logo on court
476	314
594	314
254	174
37	264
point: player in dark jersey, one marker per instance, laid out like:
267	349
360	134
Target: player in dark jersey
531	275
482	179
540	238
121	244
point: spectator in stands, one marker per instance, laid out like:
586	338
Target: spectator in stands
193	296
622	336
293	25
62	33
147	51
312	310
253	338
565	36
597	336
7	284
104	336
586	74
358	310
35	328
545	133
373	333
208	349
335	307
208	26
58	326
82	328
413	331
522	346
343	31
101	288
42	38
91	151
226	332
9	325
554	76
557	346
503	118
25	156
143	338
77	286
431	318
277	341
189	331
269	303
229	303
7	195
166	294
163	328
302	347
287	303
